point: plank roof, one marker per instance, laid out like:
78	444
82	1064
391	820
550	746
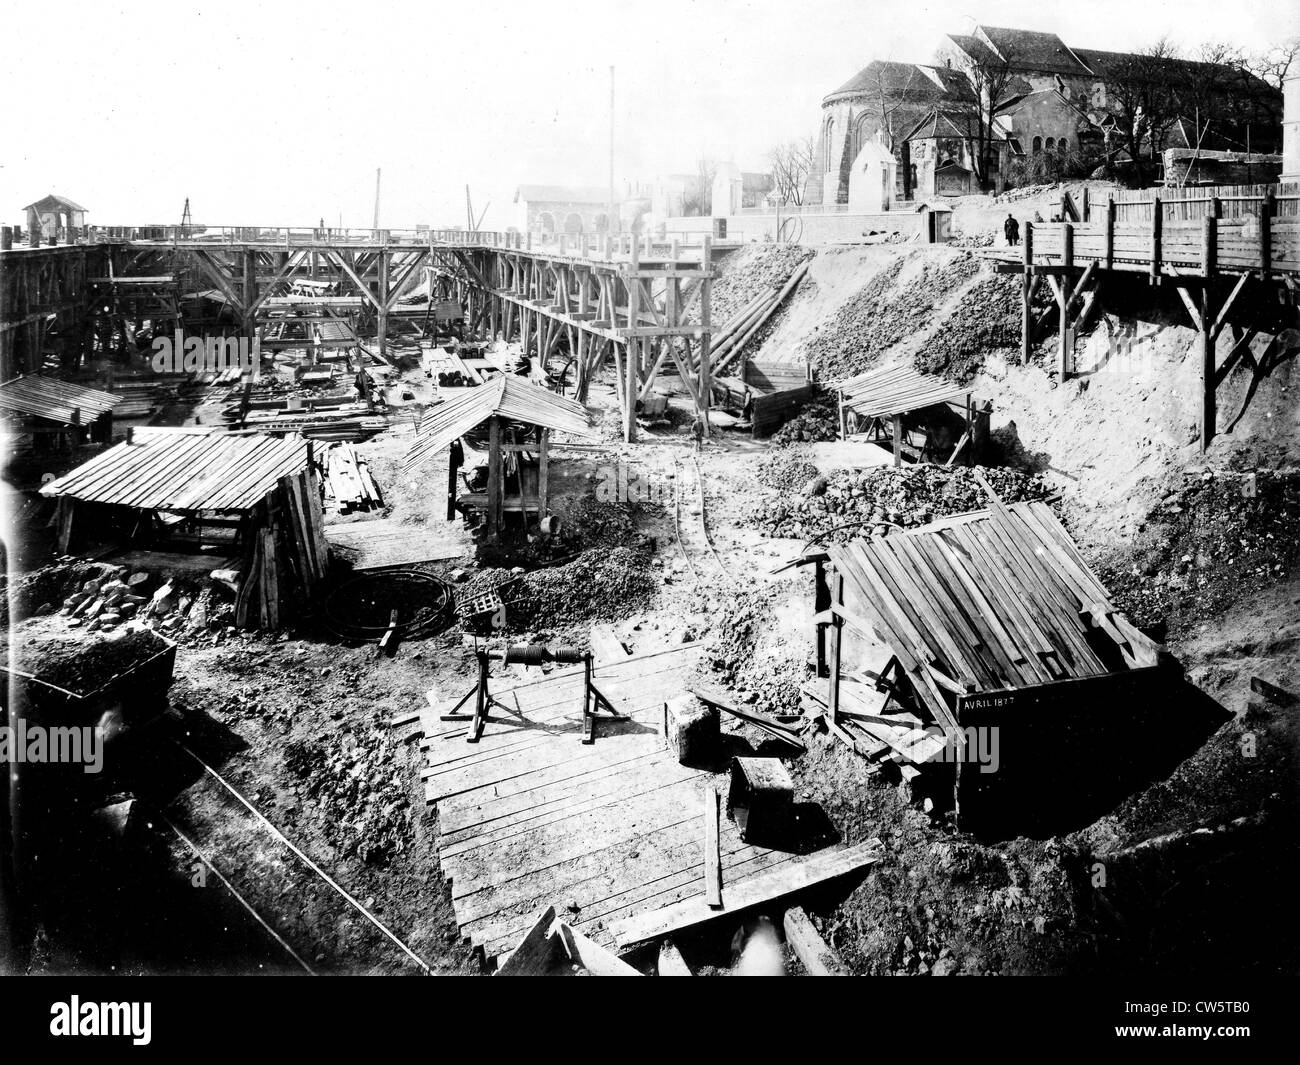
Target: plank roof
897	390
991	600
184	471
505	396
54	400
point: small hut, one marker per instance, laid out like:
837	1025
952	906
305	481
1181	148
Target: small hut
919	416
511	420
56	414
200	500
55	217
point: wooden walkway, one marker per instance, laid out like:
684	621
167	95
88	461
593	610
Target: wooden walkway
529	816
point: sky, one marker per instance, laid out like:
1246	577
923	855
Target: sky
280	113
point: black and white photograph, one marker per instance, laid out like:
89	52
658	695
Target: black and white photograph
696	488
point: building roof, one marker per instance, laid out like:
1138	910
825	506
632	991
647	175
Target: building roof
184	471
991	600
52	201
1033	50
505	396
924	83
54	400
562	194
896	390
949	123
974	48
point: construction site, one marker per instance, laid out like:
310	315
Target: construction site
645	598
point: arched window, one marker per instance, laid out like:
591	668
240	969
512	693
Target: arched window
1038	145
573	225
546	221
828	162
1063	145
1051	143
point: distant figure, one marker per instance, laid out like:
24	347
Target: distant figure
1012	229
697	431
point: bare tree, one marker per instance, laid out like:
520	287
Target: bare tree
1274	65
1142	95
992	82
698	201
792	162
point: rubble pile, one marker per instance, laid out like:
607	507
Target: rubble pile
1208	543
818	420
786	472
80	664
119	596
744	274
882	314
906	496
987	317
972	240
358	795
750	655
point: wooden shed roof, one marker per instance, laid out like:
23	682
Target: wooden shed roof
184	471
53	400
987	601
505	396
896	390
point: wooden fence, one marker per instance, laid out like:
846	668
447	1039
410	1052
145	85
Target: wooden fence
1193	204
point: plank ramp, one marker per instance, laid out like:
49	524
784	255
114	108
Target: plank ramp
529	816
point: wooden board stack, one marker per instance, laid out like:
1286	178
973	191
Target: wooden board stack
348	478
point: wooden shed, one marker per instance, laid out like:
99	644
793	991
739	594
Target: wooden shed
56	413
988	634
204	500
918	416
512	421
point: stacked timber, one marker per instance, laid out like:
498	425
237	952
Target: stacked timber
348	479
286	557
729	342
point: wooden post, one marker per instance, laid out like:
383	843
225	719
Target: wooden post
495	487
1110	233
1157	227
1209	400
1209	237
898	439
1026	294
1266	235
837	639
706	327
383	301
543	463
633	283
1063	298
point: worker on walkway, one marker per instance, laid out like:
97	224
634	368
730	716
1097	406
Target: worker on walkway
1012	230
697	431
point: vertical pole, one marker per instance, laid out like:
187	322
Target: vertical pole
633	285
1209	404
543	464
1266	235
706	332
1110	233
1209	239
837	626
1026	293
494	491
376	226
897	421
1067	254
383	300
1157	228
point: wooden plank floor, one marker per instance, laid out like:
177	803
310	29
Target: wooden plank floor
376	543
529	816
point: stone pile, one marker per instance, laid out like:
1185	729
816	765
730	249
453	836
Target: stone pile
818	421
120	597
986	318
744	274
908	496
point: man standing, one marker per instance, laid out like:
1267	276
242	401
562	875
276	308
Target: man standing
697	431
1012	230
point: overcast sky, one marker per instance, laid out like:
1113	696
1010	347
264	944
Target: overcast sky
279	113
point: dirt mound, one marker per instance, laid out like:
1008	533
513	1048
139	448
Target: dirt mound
786	472
44	589
893	305
756	648
1207	544
907	496
743	274
819	420
80	661
987	317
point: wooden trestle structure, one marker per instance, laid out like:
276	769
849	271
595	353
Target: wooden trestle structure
1215	263
632	300
627	299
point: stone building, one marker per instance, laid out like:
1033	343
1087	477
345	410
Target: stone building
1054	100
569	209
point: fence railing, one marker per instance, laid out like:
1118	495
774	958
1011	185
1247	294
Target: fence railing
1191	204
